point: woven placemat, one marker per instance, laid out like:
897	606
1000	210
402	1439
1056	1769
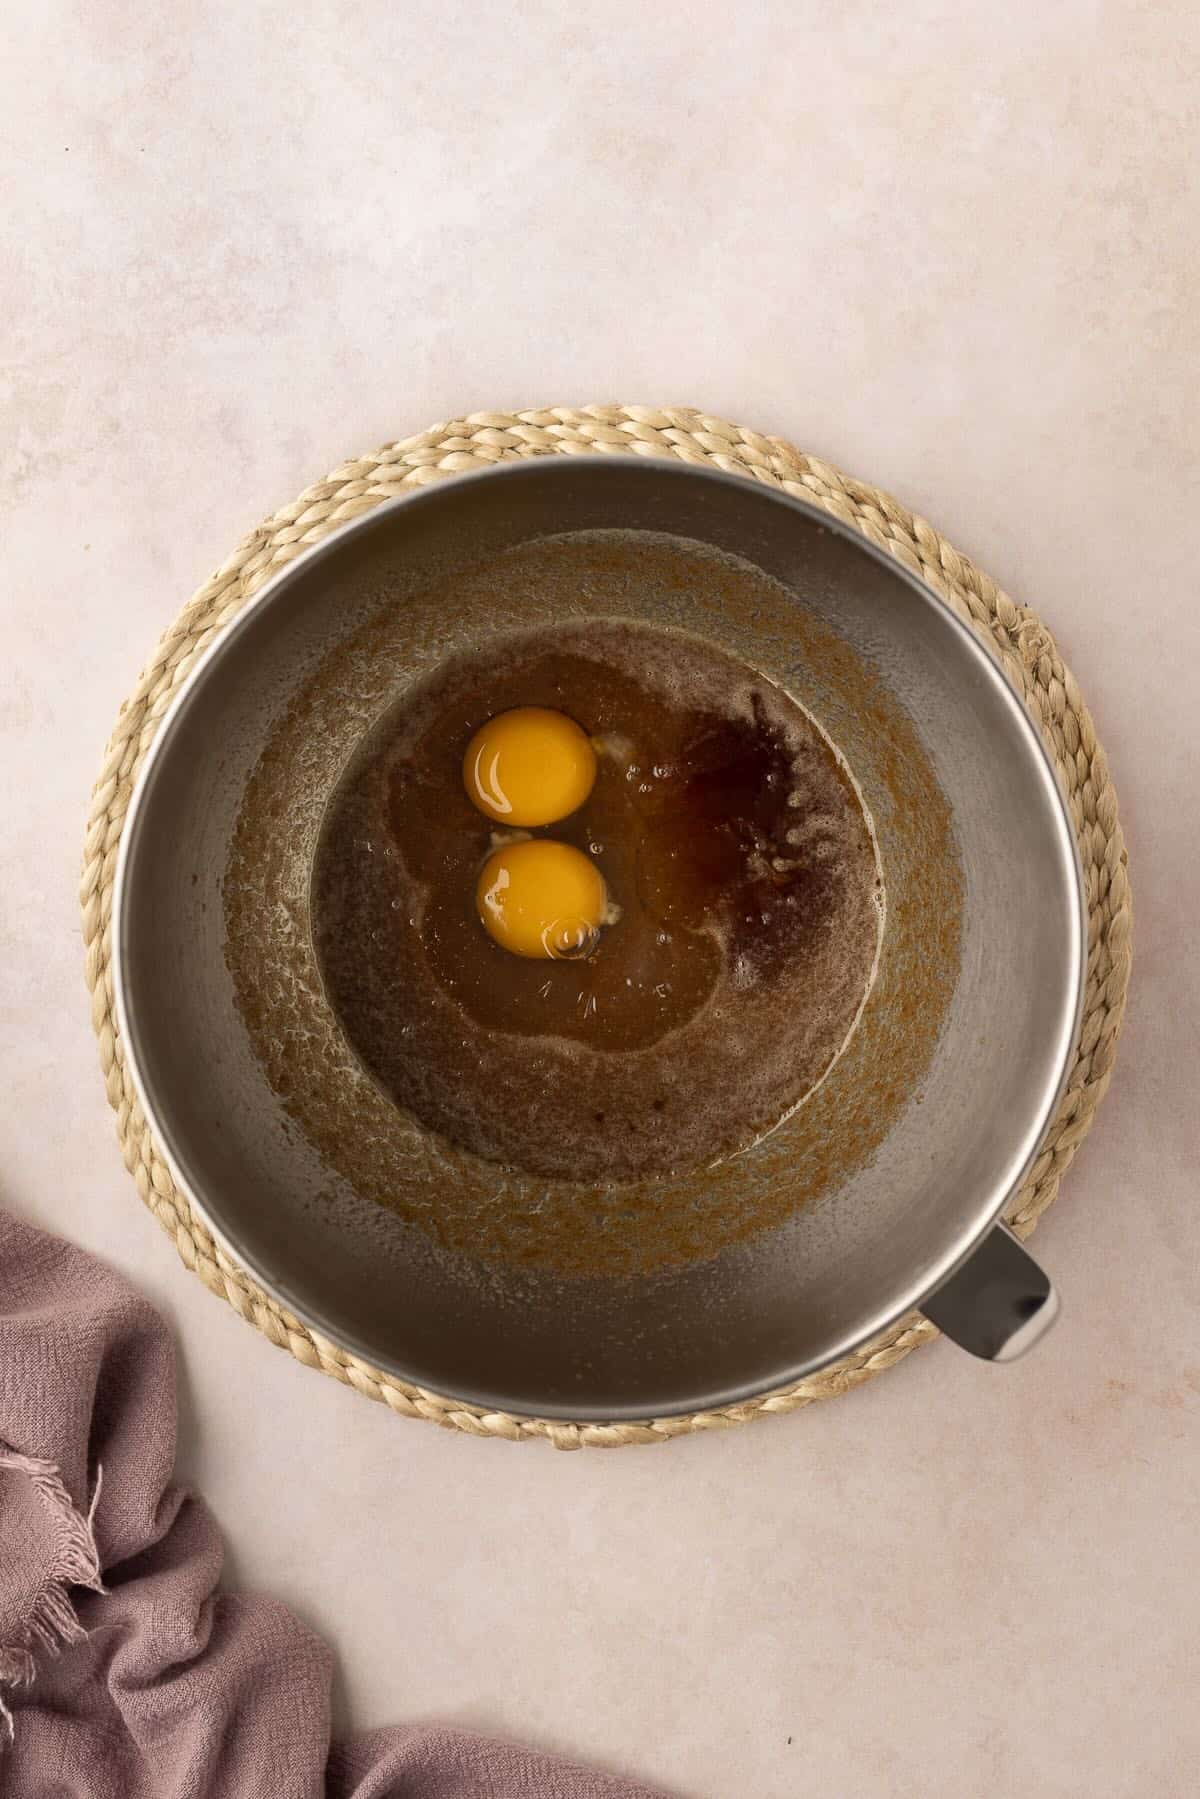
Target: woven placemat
1018	639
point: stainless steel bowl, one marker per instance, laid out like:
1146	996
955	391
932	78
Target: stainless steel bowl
911	1224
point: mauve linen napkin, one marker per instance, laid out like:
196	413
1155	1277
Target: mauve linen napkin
124	1673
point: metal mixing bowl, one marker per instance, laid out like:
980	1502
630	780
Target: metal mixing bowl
883	1223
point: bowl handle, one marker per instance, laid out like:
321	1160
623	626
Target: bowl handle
998	1303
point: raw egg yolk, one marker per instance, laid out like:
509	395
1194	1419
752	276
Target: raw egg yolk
541	899
529	767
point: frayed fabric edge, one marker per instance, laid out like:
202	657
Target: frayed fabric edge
52	1624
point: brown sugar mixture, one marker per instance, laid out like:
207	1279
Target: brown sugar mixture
480	1213
745	910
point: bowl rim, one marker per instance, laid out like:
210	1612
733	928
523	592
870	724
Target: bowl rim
1025	1149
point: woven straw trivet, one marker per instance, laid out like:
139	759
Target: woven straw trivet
1015	635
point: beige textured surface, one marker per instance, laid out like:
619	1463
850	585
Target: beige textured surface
1018	639
953	247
